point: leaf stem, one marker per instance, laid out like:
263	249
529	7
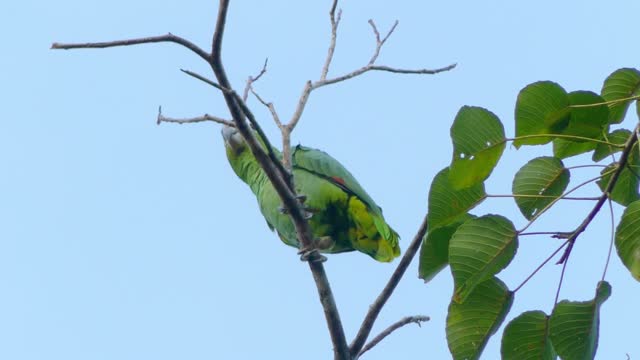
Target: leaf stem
563	136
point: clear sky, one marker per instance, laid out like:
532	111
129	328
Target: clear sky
121	239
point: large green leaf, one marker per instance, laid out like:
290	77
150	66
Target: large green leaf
621	84
479	249
628	239
538	183
527	338
574	325
618	137
625	190
584	121
434	253
541	108
587	121
563	148
470	325
478	142
447	204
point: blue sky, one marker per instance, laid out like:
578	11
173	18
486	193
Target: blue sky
121	239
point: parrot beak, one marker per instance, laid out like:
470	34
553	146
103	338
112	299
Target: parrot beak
228	132
232	138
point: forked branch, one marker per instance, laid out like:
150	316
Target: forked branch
374	310
395	326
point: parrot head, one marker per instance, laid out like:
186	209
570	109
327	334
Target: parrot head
238	152
233	140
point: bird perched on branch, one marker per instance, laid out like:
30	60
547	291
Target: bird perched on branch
343	217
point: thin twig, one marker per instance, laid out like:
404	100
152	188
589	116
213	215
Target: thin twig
553	202
586	166
556	234
271	107
284	173
540	266
541	197
380	42
197	119
375	308
606	264
145	40
367	68
335	21
628	147
564	269
252	79
204	79
395	326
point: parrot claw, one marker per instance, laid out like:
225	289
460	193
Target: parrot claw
311	252
311	255
307	212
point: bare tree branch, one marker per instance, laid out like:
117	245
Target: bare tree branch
253	79
395	326
323	81
335	21
203	118
367	68
203	79
145	40
378	304
271	107
379	42
622	163
282	171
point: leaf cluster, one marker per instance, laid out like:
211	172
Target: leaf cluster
477	247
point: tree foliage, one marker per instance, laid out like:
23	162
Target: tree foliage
477	247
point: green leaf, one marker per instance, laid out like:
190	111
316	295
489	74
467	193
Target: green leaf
625	190
541	108
538	183
470	325
527	338
447	204
628	239
478	142
621	84
589	121
574	325
434	254
478	250
563	148
619	137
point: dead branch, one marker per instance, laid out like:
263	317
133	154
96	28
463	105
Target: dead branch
395	326
622	163
197	119
375	308
128	42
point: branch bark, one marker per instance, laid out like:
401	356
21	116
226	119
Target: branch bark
622	163
395	326
375	308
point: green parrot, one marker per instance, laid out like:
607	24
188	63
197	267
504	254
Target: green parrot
343	216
